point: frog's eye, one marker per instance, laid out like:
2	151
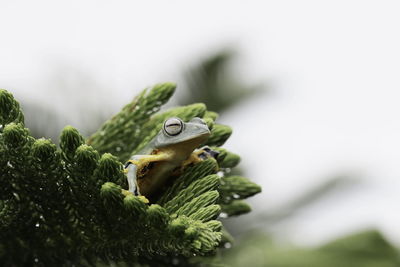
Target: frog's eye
198	120
173	126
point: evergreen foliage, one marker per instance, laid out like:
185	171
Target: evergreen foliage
213	81
367	249
69	205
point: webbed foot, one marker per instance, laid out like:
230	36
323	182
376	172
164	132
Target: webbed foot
199	155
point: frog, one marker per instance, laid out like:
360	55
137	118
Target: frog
175	147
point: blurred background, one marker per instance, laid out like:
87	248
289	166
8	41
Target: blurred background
311	89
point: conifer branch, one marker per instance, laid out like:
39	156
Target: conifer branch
69	205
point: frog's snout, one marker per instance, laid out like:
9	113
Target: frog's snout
203	128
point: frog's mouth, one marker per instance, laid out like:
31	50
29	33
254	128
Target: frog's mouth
198	138
185	147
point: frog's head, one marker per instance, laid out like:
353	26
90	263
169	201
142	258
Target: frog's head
175	131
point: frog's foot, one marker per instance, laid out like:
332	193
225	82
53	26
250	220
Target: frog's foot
192	159
142	198
197	156
126	192
206	152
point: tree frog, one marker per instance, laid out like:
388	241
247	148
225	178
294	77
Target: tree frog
169	152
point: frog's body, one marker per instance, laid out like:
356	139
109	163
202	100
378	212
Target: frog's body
170	151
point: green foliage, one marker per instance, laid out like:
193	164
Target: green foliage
9	109
213	81
232	189
237	187
219	134
236	207
366	249
69	205
122	133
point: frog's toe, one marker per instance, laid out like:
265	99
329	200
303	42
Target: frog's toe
126	192
144	199
214	154
206	152
202	156
206	148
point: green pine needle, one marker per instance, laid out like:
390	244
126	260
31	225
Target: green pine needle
9	109
68	205
235	207
237	187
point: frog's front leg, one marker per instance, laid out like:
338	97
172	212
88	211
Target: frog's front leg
199	155
136	164
131	174
142	160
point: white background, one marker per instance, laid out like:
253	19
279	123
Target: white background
332	66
